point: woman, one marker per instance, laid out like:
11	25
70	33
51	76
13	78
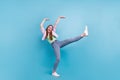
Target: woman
50	35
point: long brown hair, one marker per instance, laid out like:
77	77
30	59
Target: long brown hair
50	32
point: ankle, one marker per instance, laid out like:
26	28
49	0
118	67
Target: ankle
83	35
53	71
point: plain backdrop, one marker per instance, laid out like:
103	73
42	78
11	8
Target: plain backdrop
24	56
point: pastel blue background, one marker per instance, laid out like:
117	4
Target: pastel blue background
24	56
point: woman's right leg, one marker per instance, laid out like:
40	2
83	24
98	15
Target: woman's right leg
57	55
56	47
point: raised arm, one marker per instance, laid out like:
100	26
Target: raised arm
42	25
57	21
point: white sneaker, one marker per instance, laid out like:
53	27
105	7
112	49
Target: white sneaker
55	74
86	30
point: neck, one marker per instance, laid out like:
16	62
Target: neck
49	32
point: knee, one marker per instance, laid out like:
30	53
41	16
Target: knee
58	59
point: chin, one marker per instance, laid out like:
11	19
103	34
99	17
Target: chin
49	31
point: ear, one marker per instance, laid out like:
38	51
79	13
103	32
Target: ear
52	27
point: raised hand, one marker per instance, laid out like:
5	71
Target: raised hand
62	17
46	19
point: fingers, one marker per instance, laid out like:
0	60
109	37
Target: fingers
62	17
46	19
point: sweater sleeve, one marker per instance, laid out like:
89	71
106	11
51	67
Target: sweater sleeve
42	30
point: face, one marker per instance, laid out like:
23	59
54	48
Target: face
49	29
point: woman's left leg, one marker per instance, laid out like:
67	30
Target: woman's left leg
71	40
